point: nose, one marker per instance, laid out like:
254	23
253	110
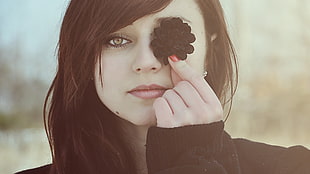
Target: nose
145	61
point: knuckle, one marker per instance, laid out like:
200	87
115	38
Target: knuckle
182	84
188	118
158	101
218	112
170	92
209	114
187	113
196	77
204	109
182	113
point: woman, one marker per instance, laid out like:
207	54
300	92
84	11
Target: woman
115	106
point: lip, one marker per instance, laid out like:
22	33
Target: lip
148	91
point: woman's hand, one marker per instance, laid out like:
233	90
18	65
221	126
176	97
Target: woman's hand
191	101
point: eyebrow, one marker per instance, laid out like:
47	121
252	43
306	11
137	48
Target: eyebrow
169	17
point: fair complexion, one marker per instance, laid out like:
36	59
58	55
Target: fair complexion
143	92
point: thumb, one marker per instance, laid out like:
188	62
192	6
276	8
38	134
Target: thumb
175	77
181	69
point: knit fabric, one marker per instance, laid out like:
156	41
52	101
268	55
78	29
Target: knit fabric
202	140
208	149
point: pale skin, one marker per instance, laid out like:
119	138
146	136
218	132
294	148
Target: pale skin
128	62
191	101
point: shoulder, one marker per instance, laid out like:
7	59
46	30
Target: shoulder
263	157
38	170
261	149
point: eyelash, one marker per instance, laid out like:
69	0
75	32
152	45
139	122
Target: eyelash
109	42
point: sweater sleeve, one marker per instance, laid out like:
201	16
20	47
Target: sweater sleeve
185	150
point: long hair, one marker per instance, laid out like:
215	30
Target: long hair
84	135
221	60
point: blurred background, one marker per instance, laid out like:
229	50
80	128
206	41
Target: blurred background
272	103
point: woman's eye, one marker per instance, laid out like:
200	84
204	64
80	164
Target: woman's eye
118	42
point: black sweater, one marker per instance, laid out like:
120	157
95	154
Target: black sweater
207	149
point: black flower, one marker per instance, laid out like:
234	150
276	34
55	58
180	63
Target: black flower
172	37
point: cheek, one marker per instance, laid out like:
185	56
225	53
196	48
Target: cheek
109	77
106	88
109	66
115	63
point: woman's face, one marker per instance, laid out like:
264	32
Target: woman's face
132	78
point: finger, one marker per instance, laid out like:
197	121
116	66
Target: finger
175	101
175	77
185	72
181	68
189	94
163	112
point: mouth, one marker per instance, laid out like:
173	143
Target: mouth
148	91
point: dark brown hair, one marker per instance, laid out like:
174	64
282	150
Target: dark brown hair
221	60
83	134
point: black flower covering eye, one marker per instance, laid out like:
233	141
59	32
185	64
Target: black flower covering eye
172	37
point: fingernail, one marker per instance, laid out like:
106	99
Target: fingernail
174	58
